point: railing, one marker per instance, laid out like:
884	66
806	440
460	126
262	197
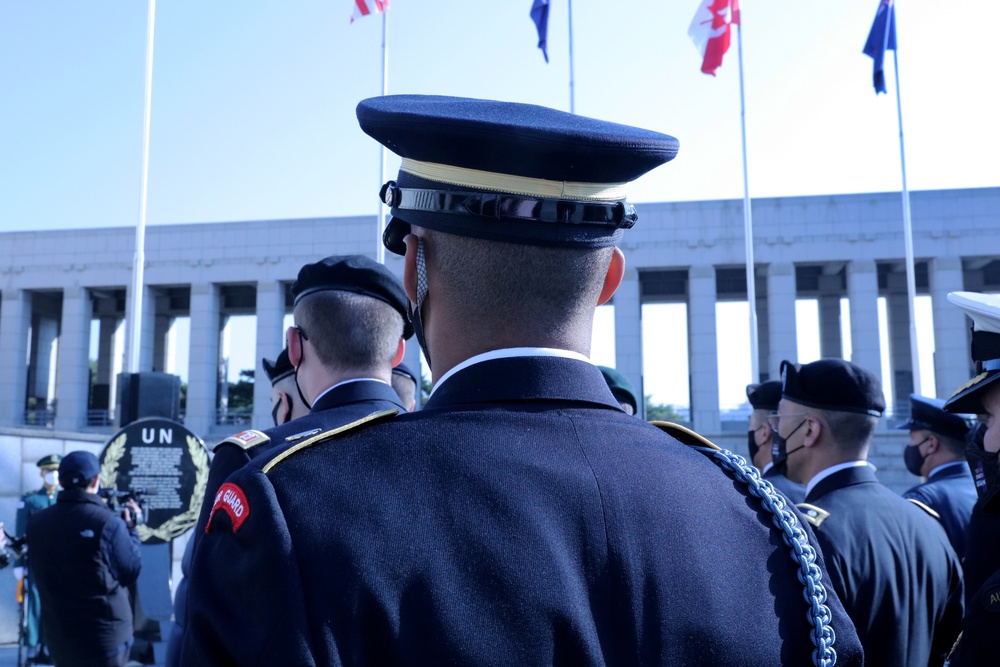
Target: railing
233	416
45	418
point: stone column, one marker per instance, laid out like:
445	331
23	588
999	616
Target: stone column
15	319
862	292
830	345
900	360
270	342
628	332
782	341
203	358
73	362
704	354
952	362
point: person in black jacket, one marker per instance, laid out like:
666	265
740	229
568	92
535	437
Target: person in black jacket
764	399
83	558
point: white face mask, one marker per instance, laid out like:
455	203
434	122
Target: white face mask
52	478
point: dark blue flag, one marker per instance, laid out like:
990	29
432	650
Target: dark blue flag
540	15
881	38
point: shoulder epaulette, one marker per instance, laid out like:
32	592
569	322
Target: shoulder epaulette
327	435
814	515
685	435
246	440
924	507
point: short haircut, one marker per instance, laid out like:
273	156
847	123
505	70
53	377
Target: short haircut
406	387
952	444
350	331
852	431
537	289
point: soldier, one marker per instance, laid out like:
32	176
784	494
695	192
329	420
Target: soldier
936	451
521	517
404	382
32	503
621	388
981	396
285	403
764	400
890	560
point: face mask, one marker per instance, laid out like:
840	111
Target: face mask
985	468
288	413
779	449
416	313
913	459
52	478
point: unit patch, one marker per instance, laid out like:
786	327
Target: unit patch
233	501
247	439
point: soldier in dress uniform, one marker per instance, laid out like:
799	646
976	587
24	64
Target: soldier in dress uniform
405	383
889	559
936	451
32	503
764	399
521	517
981	396
285	402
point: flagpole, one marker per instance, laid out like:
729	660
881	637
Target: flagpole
572	85
911	288
748	220
380	218
139	262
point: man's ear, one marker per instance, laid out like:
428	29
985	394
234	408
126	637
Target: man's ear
400	351
294	346
933	444
813	430
613	278
410	267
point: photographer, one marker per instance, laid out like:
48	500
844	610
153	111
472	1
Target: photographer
83	558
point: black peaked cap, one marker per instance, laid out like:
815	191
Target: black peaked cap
928	414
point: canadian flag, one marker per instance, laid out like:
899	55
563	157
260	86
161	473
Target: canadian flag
710	29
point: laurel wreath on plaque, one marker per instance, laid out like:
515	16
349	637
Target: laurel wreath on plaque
179	523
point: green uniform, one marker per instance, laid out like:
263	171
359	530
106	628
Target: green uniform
32	503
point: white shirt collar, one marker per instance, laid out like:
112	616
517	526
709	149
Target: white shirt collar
823	474
767	466
507	353
943	466
340	384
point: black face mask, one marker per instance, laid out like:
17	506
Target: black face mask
779	449
752	445
287	417
985	471
913	459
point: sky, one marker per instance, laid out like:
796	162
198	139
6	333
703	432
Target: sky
253	102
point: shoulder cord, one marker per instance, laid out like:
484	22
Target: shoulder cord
803	553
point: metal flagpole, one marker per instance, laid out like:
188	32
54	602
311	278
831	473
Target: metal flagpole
748	221
911	283
572	87
138	266
380	219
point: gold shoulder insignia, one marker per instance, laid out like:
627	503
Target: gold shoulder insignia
812	514
246	440
684	435
326	435
925	508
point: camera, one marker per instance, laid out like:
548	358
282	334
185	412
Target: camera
118	500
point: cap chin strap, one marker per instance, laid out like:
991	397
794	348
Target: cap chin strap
416	314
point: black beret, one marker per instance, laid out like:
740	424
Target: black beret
77	468
404	370
278	369
357	274
509	172
928	414
984	309
620	387
764	396
833	384
49	462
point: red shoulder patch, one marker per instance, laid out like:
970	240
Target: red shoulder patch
233	501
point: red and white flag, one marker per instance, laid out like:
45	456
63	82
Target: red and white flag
366	7
710	30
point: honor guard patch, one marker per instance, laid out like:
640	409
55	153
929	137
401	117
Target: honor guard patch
246	439
925	508
233	502
814	515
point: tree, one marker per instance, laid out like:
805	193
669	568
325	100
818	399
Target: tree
661	412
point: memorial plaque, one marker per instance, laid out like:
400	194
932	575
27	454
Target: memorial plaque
169	464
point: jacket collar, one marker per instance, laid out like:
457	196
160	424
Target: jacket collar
79	496
355	392
842	478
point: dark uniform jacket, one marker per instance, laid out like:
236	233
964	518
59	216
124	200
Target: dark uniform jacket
83	558
951	493
893	568
520	518
793	490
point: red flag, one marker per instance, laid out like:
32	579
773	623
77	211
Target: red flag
366	7
710	30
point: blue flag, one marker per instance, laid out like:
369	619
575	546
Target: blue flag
540	15
881	38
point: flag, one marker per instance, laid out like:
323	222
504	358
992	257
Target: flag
881	38
710	30
540	15
366	7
